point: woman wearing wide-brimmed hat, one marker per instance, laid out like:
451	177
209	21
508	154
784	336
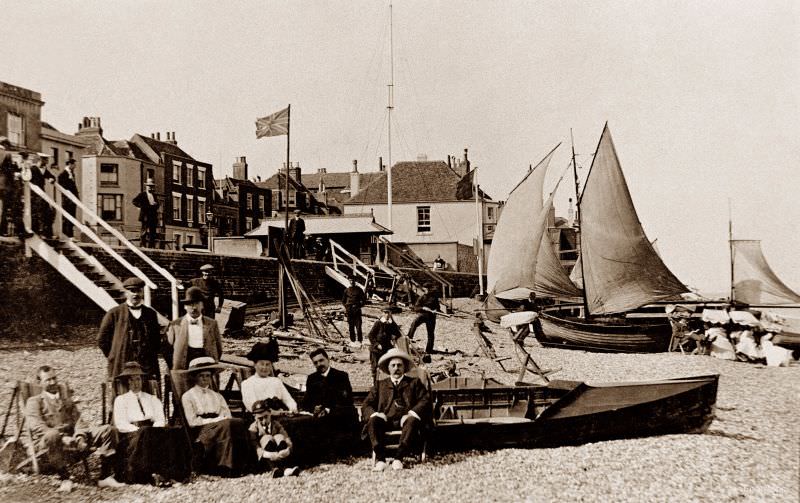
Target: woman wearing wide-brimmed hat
263	384
148	448
221	439
193	335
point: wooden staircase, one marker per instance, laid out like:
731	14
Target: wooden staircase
386	248
380	283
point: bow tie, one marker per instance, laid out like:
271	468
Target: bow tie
194	322
135	308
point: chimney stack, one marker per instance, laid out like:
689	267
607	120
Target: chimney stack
381	167
240	168
294	172
466	163
90	125
355	179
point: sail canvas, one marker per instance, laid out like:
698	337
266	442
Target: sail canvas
754	281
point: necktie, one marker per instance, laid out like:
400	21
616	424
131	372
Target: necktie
141	407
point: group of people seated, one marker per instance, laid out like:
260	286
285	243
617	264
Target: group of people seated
142	446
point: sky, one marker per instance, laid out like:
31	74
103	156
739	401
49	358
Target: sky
701	97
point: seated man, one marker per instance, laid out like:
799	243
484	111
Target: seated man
55	423
263	384
149	451
328	392
398	401
220	441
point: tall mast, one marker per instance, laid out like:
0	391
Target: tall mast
730	245
578	238
390	107
479	217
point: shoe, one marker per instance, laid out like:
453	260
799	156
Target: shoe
397	464
294	471
379	466
110	482
277	473
65	486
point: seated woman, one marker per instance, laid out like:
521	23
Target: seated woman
273	445
219	440
263	384
150	452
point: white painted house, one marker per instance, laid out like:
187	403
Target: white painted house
427	215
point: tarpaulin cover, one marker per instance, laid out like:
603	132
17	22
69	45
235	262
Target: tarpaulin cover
519	318
744	318
716	316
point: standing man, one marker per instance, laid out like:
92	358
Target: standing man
67	181
193	335
211	289
328	391
397	402
426	307
148	214
381	337
352	300
130	332
41	214
296	238
56	423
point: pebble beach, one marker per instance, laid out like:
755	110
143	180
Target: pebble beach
751	452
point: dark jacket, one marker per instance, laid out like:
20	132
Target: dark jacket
212	288
353	298
147	213
68	183
115	333
297	229
410	394
429	300
38	177
333	392
382	335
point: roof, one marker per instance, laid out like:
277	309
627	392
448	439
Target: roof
412	182
160	147
276	182
332	180
326	224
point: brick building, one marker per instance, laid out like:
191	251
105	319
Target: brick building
252	202
21	117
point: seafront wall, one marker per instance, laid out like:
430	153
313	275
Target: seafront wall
38	300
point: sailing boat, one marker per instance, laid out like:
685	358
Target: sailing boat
621	272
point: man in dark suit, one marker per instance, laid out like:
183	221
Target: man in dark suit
41	213
130	332
352	300
398	401
328	391
66	179
211	288
297	235
148	214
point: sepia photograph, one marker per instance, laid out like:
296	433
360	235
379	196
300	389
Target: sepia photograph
400	250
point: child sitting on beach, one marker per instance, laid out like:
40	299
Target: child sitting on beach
273	445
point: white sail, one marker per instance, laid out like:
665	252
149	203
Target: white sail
754	281
621	270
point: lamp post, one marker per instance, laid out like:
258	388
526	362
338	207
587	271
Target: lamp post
210	224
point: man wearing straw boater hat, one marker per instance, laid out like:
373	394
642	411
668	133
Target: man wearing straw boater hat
397	402
220	440
148	214
130	332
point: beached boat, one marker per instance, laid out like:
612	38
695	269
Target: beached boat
620	270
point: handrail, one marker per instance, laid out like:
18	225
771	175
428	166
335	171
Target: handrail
447	287
356	261
149	285
135	249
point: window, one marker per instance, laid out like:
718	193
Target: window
276	200
177	238
176	172
490	213
176	206
292	198
423	218
189	176
248	224
69	154
201	211
201	178
249	201
189	209
261	206
151	174
54	153
110	207
109	175
189	239
16	129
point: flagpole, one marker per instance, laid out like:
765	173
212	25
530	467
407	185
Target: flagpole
281	289
390	107
479	216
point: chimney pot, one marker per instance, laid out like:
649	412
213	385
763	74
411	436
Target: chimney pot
355	164
158	136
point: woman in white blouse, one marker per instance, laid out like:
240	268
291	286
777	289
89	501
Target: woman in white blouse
136	408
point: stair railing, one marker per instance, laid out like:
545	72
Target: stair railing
173	282
358	267
447	287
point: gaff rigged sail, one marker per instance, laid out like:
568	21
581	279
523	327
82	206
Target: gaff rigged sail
621	270
754	281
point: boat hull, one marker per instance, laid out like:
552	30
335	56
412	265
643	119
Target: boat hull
645	337
594	413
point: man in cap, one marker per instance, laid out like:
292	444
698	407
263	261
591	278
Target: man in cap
148	214
193	335
328	391
263	385
130	332
66	179
220	440
352	300
296	235
382	336
55	424
426	307
397	402
211	288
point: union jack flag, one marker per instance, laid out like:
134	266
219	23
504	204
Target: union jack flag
276	124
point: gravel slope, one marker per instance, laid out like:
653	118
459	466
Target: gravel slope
750	453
